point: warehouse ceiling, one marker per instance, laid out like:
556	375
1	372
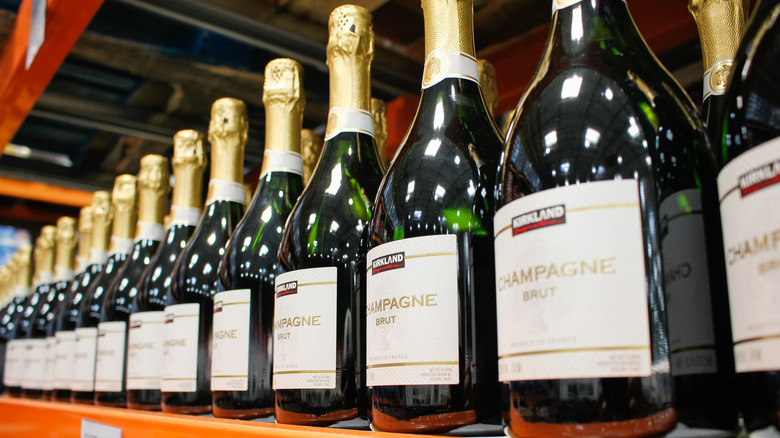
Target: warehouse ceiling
144	69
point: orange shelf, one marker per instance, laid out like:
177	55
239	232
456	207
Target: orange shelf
28	418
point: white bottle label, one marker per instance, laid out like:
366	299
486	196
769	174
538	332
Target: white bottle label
63	369
110	356
230	341
184	216
412	312
149	231
50	363
687	285
442	64
84	359
34	364
349	120
220	190
180	352
571	297
281	161
749	189
145	350
14	363
305	329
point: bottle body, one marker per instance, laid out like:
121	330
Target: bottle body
603	128
83	385
65	334
250	265
113	328
194	283
453	138
748	154
11	331
143	392
34	334
325	230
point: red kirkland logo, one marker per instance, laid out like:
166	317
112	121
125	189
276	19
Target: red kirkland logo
533	220
759	178
388	263
218	307
135	325
289	288
169	318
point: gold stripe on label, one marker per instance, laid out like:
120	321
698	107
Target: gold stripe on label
729	192
232	304
185	316
508	227
760	338
411	364
432	254
602	207
306	372
107	381
176	378
694	348
573	350
215	377
320	283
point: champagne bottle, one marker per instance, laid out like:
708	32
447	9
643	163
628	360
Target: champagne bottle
747	185
64	259
379	114
605	191
311	148
188	316
431	357
34	333
146	334
721	25
67	313
487	81
320	265
111	362
122	216
13	368
244	306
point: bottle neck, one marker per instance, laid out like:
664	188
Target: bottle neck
449	41
721	25
65	258
189	186
151	206
124	221
350	96
579	26
85	243
227	159
282	138
101	233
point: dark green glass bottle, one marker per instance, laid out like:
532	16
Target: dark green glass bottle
111	362
67	314
146	333
431	302
607	171
242	342
749	153
320	252
186	387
